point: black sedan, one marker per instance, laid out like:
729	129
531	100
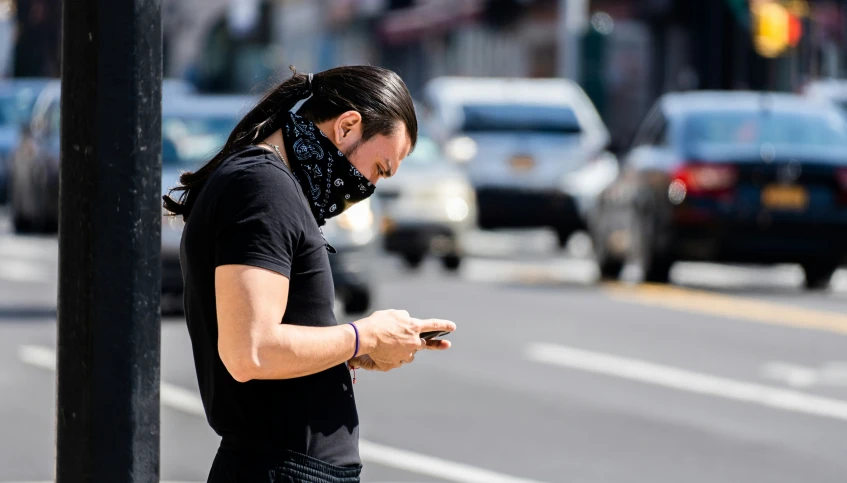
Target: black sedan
738	177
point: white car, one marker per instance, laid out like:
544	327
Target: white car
535	150
428	207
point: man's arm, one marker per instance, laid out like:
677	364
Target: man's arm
253	344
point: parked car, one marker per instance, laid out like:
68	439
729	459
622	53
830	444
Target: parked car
535	150
34	166
740	177
428	207
17	98
193	129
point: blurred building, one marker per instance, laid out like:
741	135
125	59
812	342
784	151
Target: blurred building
630	51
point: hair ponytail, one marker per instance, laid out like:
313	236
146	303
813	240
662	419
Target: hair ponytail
257	124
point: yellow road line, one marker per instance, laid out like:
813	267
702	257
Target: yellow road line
729	306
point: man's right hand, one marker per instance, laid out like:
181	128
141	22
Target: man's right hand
392	337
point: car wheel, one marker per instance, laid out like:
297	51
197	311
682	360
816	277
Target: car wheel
610	267
451	263
658	270
818	275
171	304
21	224
656	266
413	260
358	300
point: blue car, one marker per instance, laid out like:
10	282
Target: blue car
737	177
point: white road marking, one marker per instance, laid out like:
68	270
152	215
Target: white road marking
189	402
24	271
38	356
688	381
35	248
431	466
830	374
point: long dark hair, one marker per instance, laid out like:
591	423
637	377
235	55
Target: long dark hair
378	94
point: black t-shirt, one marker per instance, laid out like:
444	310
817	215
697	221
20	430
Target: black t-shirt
251	211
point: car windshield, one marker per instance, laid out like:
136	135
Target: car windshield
190	140
758	127
519	118
426	153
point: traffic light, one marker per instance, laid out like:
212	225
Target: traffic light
775	27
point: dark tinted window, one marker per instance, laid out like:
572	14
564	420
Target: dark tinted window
757	127
519	118
191	140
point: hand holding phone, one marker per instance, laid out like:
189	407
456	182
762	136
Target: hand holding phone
433	334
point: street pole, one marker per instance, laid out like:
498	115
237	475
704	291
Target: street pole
571	27
109	242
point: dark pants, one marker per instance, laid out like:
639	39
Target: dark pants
235	466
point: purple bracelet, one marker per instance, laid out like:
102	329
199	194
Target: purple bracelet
357	340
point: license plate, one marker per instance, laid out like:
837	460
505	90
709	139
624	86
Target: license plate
785	197
522	163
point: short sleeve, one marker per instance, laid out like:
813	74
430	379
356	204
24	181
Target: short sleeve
259	219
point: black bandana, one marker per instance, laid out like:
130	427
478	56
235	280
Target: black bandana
329	181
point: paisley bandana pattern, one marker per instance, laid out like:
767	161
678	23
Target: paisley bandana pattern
329	181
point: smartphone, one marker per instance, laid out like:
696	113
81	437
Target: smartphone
433	334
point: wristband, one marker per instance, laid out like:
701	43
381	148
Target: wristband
357	340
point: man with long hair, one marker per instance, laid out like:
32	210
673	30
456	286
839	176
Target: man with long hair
273	365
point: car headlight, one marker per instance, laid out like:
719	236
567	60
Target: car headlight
461	149
358	217
457	209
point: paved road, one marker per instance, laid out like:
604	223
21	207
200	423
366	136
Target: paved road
732	374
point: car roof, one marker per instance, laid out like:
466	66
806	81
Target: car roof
503	90
684	103
208	105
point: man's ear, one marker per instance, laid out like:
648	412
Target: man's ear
348	123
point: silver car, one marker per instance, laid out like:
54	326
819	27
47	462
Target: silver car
535	150
428	206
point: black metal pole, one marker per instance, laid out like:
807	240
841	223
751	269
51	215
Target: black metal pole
109	242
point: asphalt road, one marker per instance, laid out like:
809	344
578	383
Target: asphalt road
731	374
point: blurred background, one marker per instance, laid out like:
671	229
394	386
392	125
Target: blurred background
635	211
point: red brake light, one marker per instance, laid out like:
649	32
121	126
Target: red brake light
707	179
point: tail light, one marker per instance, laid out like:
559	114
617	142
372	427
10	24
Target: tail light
711	180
